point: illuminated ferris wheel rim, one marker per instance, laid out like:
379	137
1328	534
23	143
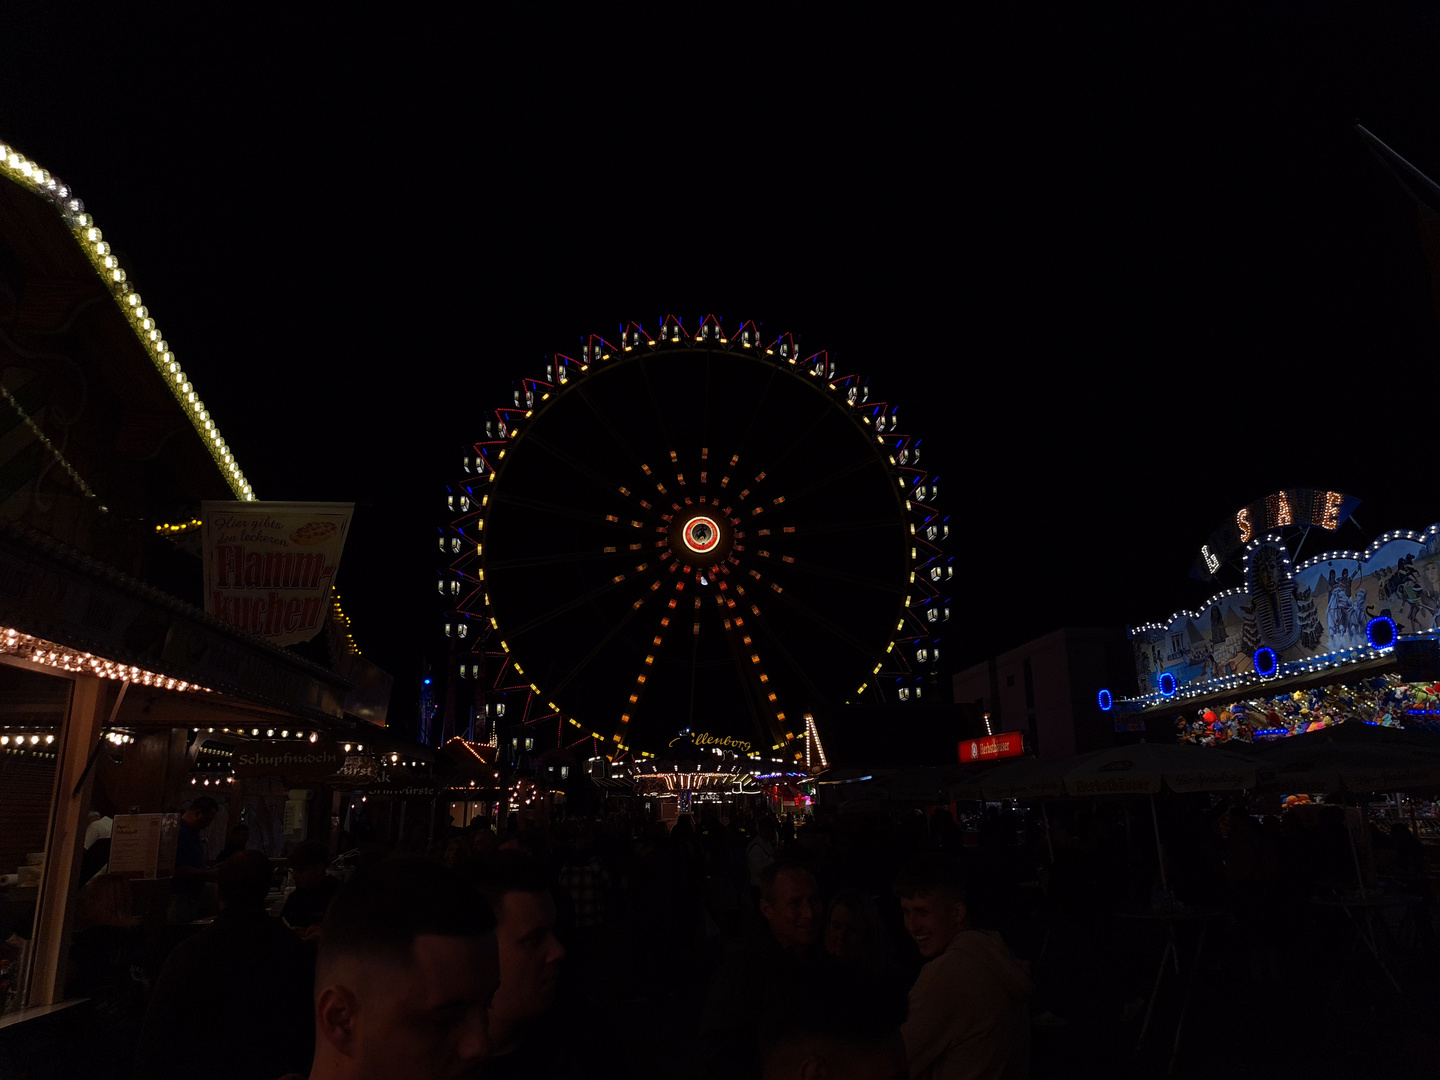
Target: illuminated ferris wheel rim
704	530
820	386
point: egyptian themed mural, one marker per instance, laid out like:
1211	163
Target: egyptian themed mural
1319	608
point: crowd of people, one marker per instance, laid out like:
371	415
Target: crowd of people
889	945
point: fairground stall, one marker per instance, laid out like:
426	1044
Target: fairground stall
127	688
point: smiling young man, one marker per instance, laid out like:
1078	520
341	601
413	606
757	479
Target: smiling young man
969	1017
407	969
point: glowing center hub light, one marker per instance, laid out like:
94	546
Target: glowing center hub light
700	534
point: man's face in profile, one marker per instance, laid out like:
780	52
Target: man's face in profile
428	1018
530	956
200	820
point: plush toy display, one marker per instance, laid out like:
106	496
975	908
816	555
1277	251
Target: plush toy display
1383	700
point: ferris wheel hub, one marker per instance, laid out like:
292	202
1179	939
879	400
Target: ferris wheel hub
700	534
701	539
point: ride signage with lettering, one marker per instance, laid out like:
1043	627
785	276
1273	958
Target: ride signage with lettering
723	742
992	748
1292	508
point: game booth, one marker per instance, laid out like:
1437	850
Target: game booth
1344	642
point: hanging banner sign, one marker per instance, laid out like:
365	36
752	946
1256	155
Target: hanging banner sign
317	762
293	760
992	747
269	566
358	769
411	789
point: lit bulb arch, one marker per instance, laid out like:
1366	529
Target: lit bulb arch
694	528
106	263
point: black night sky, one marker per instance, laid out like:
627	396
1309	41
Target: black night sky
1124	268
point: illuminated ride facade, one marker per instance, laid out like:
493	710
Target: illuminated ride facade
1301	644
688	546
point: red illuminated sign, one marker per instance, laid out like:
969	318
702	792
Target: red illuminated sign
992	747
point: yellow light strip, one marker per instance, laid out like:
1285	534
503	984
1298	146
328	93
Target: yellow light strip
182	527
814	737
343	621
87	234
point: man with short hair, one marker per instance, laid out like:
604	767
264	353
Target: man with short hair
407	969
187	887
789	903
530	955
844	1027
785	952
968	1009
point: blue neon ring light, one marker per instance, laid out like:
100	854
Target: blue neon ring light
1388	633
1167	684
1266	662
1106	700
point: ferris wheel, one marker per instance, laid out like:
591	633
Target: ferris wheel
694	533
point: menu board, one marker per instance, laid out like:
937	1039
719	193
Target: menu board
142	846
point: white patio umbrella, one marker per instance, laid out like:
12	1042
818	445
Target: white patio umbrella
1143	768
1027	778
1355	756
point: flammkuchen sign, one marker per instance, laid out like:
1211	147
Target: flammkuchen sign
269	566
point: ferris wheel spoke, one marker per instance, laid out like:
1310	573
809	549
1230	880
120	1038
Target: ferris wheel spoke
705	407
831	479
694	673
610	636
760	400
845	527
632	708
554	509
581	467
566	608
657	415
610	429
560	558
764	720
810	617
897	589
798	668
795	443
